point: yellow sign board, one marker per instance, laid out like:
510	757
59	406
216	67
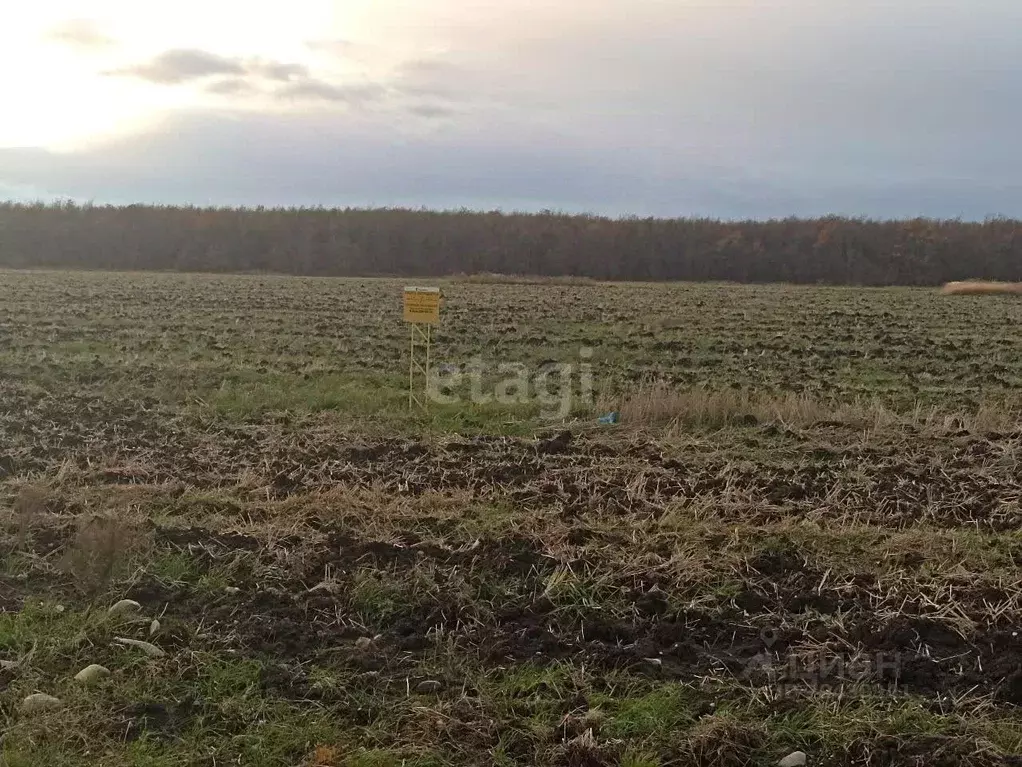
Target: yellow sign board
422	305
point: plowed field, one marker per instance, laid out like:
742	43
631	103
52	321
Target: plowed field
805	537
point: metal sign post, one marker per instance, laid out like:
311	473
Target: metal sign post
421	310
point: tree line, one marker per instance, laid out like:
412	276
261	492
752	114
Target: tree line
422	243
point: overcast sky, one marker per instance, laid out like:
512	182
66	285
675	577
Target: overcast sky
748	108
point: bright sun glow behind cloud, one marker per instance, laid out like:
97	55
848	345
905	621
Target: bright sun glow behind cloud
56	57
53	57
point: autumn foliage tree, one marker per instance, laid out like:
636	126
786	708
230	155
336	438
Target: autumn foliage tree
360	242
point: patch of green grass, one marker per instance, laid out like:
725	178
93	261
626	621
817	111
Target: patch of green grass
16	564
669	708
1004	733
640	759
274	734
528	680
472	419
579	592
175	567
242	398
815	725
233	719
47	631
214	581
227	677
150	752
533	698
379	595
376	401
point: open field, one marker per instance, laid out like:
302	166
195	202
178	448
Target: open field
805	537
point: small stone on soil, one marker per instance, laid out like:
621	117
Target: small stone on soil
149	649
794	759
125	607
154	627
40	701
92	673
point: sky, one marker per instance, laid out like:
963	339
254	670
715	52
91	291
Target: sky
727	109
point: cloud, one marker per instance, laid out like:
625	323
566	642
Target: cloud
80	33
438	78
432	111
318	90
230	86
182	65
729	109
364	159
321	159
276	70
237	77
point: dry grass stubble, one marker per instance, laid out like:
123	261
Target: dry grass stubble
660	404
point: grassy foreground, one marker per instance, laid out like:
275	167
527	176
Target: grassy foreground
802	535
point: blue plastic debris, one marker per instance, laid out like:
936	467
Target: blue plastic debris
610	418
